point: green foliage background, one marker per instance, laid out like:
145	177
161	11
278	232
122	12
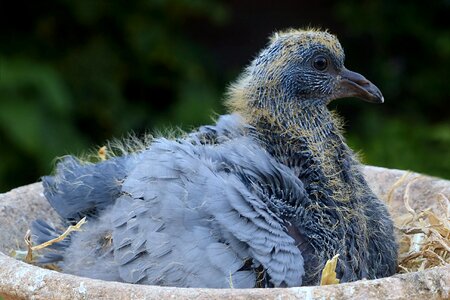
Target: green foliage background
76	73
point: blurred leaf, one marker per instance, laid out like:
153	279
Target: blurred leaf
75	73
28	79
35	117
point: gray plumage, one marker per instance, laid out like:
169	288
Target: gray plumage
262	198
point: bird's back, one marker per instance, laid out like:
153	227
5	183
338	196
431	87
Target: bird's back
190	214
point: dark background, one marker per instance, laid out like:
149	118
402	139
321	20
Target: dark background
74	74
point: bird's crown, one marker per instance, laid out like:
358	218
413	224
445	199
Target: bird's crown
307	39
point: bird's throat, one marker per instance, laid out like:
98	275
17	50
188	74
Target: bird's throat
299	131
309	141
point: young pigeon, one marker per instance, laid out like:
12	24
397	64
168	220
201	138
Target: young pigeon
263	198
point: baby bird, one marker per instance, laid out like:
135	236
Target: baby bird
263	198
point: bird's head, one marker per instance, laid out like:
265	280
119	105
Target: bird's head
299	67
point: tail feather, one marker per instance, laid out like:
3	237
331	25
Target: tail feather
43	232
78	189
83	189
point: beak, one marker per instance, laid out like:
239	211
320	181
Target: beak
352	84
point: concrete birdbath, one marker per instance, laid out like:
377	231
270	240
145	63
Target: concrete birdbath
19	280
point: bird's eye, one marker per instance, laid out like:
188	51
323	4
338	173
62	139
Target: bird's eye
320	63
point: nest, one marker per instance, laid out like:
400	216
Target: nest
424	237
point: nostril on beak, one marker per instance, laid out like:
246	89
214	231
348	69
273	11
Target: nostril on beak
363	82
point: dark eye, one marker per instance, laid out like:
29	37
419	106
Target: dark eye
320	63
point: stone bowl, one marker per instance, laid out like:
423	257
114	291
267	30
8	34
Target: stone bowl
19	280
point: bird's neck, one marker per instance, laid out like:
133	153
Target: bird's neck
285	125
298	128
297	133
307	138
